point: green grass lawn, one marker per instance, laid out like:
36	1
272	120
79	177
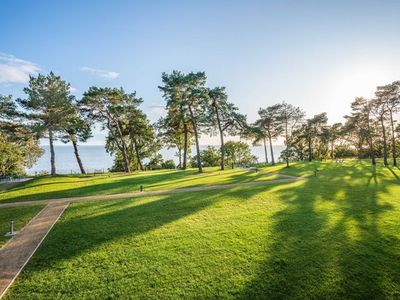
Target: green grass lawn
20	216
60	186
336	235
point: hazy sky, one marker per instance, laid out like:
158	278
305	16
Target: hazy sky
315	54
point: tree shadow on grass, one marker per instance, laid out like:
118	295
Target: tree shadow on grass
330	242
87	225
155	181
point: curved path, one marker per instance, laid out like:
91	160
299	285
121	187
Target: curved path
15	254
286	178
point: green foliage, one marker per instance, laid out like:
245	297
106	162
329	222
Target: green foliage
49	105
18	143
239	153
210	157
168	164
186	97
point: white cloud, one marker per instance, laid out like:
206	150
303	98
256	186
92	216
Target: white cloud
15	70
110	75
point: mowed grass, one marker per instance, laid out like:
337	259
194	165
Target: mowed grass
20	215
336	235
61	186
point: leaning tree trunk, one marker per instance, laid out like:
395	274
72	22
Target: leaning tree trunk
78	158
196	136
385	150
271	150
265	150
287	145
185	146
52	153
309	149
179	157
123	150
393	140
221	135
138	156
371	146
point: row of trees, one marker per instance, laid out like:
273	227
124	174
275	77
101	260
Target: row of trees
370	130
50	111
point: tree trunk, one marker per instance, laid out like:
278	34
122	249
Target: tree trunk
121	147
138	156
385	150
393	140
309	149
196	136
265	150
371	145
78	158
287	144
52	154
179	157
185	146
332	150
221	135
272	151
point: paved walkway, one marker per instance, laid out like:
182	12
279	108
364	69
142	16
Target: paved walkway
287	178
16	253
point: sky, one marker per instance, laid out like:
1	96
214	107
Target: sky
318	55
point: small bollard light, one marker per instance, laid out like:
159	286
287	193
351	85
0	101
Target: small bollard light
12	227
141	188
11	230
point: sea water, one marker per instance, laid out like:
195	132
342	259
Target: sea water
96	158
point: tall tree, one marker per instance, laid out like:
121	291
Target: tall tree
49	105
174	133
360	124
258	135
290	117
106	105
224	116
76	129
196	103
270	123
391	94
175	93
334	132
380	109
313	129
186	93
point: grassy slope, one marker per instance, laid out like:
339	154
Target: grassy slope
84	185
20	216
331	236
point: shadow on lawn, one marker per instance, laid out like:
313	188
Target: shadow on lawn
335	252
157	181
85	229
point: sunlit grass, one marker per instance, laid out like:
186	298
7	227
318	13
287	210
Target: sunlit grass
334	235
20	216
111	183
